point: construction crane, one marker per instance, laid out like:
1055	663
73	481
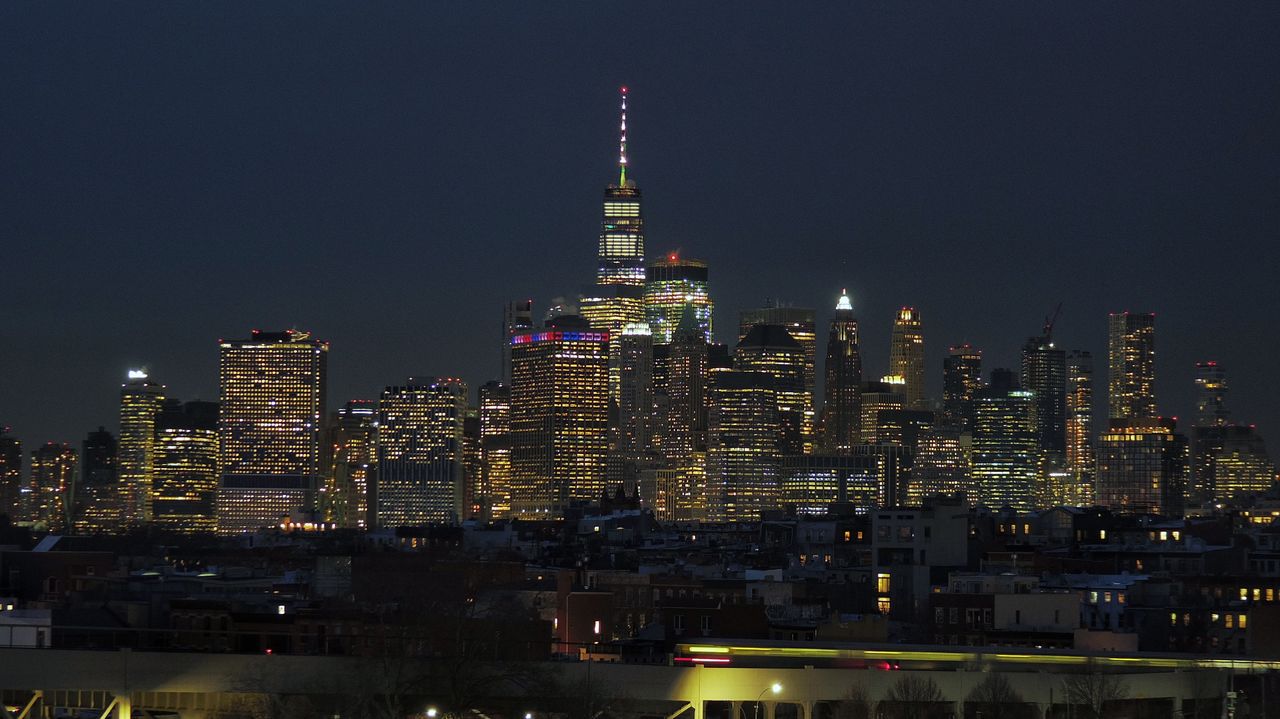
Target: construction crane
1050	321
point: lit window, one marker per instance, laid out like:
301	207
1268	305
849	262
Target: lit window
882	583
1120	597
1106	597
882	604
1173	619
1102	534
1231	621
1257	594
1093	597
1243	622
1244	593
596	627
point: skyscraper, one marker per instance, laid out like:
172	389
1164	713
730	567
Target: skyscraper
961	380
877	397
1211	395
517	316
475	495
772	350
1006	452
635	404
617	300
799	323
10	476
1142	466
53	472
742	448
680	384
1044	371
186	468
140	403
941	464
98	498
841	420
559	417
906	356
419	471
271	414
495	446
1079	429
351	458
673	283
1228	463
1131	365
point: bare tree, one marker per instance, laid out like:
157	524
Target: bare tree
855	705
914	698
995	698
1092	689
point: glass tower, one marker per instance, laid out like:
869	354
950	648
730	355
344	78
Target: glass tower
351	459
495	446
1079	425
673	283
1006	451
742	448
1142	466
799	323
419	470
1211	395
1044	371
53	472
961	380
186	468
772	350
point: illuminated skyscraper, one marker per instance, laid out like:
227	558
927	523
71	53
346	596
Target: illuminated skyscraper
186	468
742	448
269	428
475	494
815	484
1044	371
351	460
635	405
680	387
622	228
906	356
1005	462
1211	395
675	282
1131	366
495	446
941	464
961	380
1142	466
772	350
877	397
517	316
10	476
419	473
617	300
841	419
559	417
799	323
140	403
98	498
1079	429
53	472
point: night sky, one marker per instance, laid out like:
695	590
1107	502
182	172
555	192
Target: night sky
387	174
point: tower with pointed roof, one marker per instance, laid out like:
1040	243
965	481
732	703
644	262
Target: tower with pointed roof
842	394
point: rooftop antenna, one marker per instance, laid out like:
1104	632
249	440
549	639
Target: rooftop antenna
622	143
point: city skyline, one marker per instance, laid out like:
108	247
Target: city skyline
199	279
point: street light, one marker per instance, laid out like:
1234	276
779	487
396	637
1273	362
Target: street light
432	713
774	687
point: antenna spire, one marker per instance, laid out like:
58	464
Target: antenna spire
622	144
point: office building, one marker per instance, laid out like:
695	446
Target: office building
186	468
140	403
877	397
1142	466
635	402
672	284
842	393
495	447
1079	423
53	472
351	459
272	408
818	484
1131	365
772	350
517	316
961	380
940	464
799	322
1229	462
10	476
98	501
475	495
906	356
559	417
742	445
1044	372
1005	461
1211	395
419	475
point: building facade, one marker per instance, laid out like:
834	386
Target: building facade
961	380
1006	449
140	403
419	450
1142	467
272	408
743	455
772	350
1131	365
673	283
906	356
186	468
842	393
